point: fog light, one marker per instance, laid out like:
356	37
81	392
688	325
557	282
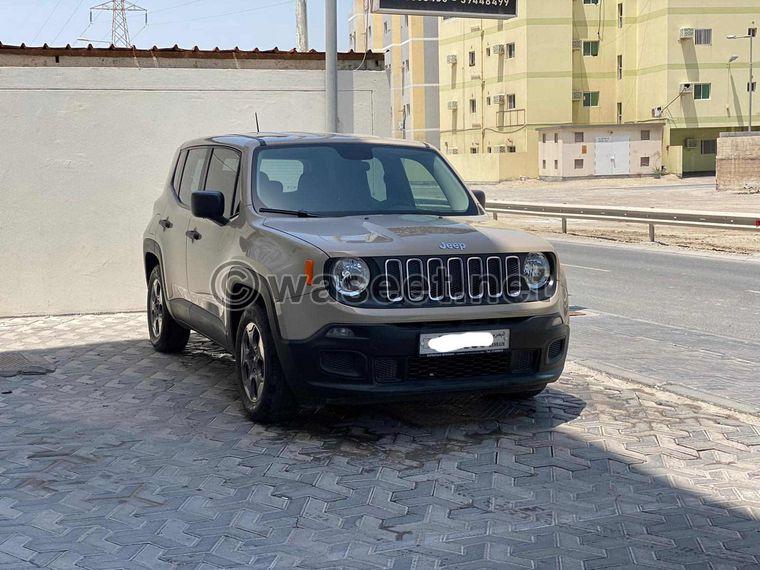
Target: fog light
340	332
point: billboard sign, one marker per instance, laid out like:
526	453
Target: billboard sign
502	9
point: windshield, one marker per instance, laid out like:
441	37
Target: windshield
354	179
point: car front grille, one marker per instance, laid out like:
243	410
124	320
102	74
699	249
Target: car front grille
455	279
471	365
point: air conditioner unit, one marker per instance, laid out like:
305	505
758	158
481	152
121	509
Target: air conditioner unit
656	112
687	88
452	105
577	44
686	34
498	99
692	143
501	148
577	95
451	59
497	49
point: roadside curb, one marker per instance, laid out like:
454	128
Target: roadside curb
674	388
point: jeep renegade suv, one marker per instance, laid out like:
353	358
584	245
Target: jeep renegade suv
346	269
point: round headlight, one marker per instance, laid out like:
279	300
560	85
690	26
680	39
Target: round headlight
351	276
536	271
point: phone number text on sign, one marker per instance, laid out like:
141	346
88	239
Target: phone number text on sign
460	8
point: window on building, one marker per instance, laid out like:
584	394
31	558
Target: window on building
709	146
619	112
473	106
223	176
620	15
578	163
644	161
579	137
543	164
509	50
488	100
591	98
556	137
703	36
620	66
646	135
385	27
511	148
543	137
472	59
489	150
752	87
556	164
406	20
591	1
473	150
591	47
511	101
701	91
488	52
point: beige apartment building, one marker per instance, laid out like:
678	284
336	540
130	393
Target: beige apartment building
613	71
410	45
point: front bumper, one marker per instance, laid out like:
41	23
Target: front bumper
381	361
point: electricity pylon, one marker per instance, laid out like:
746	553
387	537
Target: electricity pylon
120	26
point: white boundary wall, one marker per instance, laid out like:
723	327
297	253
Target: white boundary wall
84	152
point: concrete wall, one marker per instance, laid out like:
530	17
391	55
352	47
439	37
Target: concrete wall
84	152
738	162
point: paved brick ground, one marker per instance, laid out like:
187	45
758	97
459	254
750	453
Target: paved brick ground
124	458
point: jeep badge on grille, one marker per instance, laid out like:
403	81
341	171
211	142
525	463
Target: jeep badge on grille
452	245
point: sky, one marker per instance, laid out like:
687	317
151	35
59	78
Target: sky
205	23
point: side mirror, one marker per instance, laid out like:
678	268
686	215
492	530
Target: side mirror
480	196
209	205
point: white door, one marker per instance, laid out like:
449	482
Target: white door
612	155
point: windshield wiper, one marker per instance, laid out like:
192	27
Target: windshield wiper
299	213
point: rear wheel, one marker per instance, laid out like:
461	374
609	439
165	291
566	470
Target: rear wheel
263	389
166	334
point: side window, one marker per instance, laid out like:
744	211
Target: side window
223	175
192	174
427	193
178	170
376	180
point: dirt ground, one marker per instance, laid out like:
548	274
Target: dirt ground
668	192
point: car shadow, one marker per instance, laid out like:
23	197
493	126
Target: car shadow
585	474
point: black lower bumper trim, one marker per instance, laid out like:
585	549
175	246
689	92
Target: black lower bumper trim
381	362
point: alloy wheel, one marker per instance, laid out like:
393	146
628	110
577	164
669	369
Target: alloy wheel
156	309
252	362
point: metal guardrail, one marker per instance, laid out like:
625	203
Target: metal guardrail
649	216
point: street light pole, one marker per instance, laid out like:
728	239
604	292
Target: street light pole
331	66
751	32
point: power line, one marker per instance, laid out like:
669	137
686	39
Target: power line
42	27
73	12
225	14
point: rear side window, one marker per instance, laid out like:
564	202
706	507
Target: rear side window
192	174
178	170
223	176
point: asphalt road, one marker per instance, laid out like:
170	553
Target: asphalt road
679	319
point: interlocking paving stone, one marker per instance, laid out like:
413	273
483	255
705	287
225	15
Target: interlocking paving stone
126	458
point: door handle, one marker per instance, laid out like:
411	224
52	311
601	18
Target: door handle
165	223
193	234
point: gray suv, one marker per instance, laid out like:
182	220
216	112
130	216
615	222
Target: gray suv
348	269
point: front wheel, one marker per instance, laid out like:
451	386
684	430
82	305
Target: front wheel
166	334
263	389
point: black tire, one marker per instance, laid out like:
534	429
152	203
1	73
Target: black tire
166	334
263	389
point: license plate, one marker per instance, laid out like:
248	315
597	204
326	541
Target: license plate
438	344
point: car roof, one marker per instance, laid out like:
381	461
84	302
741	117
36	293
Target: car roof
293	138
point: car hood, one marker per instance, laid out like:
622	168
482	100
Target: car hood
401	235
